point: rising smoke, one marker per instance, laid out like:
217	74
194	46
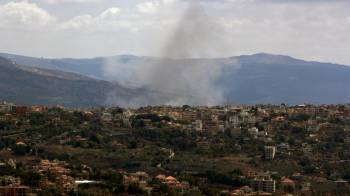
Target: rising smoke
179	77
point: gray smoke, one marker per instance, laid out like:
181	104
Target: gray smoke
179	77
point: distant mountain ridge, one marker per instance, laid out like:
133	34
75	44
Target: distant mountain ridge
30	85
247	79
93	67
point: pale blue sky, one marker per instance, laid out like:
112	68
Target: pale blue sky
314	30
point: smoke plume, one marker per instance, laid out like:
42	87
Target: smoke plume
180	76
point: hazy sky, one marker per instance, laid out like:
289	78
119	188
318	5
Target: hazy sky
308	29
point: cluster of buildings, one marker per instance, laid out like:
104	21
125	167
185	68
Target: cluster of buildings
6	107
10	185
142	180
280	132
54	174
172	182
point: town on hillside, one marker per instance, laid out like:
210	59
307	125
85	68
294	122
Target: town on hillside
232	150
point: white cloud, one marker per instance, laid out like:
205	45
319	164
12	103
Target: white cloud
23	15
316	31
162	16
156	6
78	22
108	21
110	14
148	7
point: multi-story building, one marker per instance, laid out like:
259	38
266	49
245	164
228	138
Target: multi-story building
139	178
20	110
198	125
210	126
234	121
14	190
253	131
6	107
107	117
270	152
189	116
10	181
264	185
204	145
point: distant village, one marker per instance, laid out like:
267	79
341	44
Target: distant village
165	150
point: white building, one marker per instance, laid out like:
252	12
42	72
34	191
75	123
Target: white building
270	152
107	117
264	185
198	125
6	107
234	121
253	131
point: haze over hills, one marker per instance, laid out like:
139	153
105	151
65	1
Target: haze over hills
30	85
248	79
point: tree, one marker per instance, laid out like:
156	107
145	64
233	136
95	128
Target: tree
309	169
31	179
228	132
19	150
134	189
132	144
